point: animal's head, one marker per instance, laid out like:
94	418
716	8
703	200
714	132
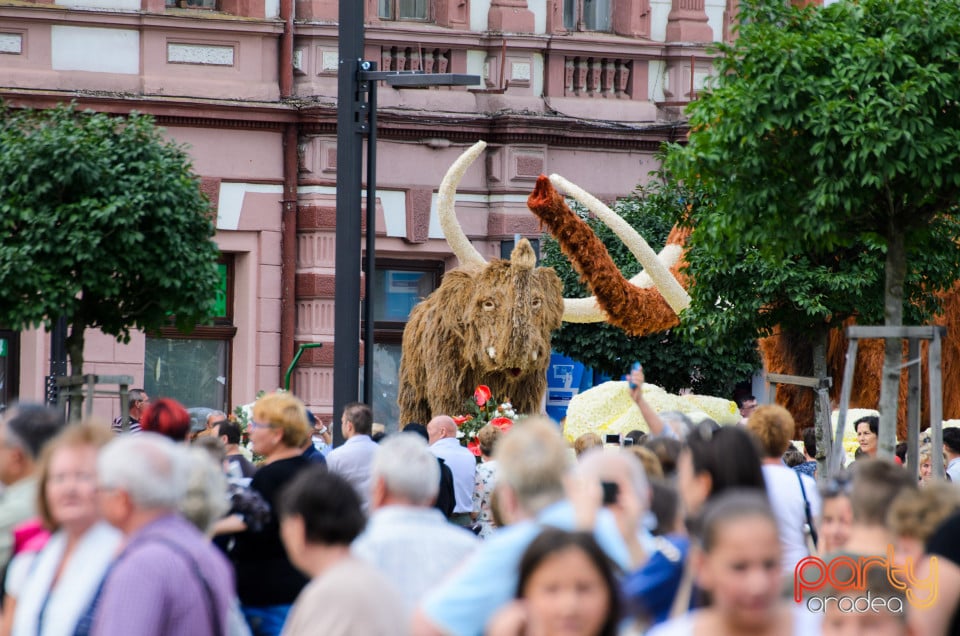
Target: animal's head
512	308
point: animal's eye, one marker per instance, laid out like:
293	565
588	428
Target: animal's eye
535	303
489	305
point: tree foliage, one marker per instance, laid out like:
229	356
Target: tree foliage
832	139
669	359
103	222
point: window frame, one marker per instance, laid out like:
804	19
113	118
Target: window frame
391	331
395	10
579	23
12	382
221	329
209	5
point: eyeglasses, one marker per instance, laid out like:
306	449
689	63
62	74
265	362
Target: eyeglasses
255	424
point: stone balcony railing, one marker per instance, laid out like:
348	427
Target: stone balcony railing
603	77
413	58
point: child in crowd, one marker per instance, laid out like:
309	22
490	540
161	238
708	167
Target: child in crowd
887	615
837	515
566	586
738	566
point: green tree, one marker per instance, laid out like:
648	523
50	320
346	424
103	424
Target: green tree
669	359
103	223
831	135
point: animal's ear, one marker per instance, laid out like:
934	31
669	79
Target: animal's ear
453	298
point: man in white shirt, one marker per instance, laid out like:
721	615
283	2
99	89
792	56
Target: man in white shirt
407	539
442	436
951	448
354	459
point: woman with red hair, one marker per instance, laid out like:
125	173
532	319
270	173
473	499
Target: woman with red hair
167	417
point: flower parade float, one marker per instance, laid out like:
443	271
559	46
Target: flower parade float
608	409
489	323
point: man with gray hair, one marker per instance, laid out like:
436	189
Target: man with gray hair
169	579
137	403
24	431
532	463
406	538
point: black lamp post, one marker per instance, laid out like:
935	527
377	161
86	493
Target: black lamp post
356	118
58	359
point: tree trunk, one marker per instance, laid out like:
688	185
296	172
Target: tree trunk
75	352
896	271
821	420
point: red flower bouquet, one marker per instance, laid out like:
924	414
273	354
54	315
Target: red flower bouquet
481	410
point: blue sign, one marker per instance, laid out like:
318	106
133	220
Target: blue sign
564	379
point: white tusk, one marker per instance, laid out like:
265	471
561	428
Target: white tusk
492	353
656	271
583	310
446	195
536	355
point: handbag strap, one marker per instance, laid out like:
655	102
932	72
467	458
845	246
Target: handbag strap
85	624
806	508
195	567
681	601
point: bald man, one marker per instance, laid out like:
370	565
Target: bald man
442	437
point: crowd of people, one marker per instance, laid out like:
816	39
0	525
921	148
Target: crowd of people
156	526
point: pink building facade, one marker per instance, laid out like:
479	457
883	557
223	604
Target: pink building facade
585	88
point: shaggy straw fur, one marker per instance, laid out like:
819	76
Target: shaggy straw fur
481	326
643	311
638	311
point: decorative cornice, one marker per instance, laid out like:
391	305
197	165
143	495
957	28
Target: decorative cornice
169	111
171	18
394	124
507	129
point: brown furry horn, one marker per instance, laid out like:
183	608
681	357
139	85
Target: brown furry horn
635	310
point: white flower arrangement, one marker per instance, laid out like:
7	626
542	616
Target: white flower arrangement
608	409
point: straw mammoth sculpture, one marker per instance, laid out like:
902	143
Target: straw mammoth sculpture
490	323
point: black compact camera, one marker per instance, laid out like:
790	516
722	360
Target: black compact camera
610	492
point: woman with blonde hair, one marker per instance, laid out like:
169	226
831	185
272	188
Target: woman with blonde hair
925	465
267	583
61	582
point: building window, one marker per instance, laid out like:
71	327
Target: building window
404	9
506	248
191	4
9	367
587	15
194	368
398	286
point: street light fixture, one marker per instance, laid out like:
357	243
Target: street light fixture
356	118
